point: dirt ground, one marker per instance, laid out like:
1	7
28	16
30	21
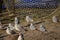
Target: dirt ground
52	34
53	31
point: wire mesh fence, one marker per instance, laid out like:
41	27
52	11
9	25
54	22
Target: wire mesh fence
31	3
23	8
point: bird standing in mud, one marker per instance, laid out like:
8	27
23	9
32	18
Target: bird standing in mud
17	26
11	26
54	19
8	31
32	27
20	37
42	28
29	19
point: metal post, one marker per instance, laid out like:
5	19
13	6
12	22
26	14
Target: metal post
0	6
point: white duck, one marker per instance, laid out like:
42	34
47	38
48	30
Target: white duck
54	19
17	26
32	27
11	26
8	31
20	37
29	19
16	20
42	28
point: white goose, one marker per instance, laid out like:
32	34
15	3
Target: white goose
17	26
20	37
32	27
29	19
11	26
16	20
8	31
42	28
54	19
